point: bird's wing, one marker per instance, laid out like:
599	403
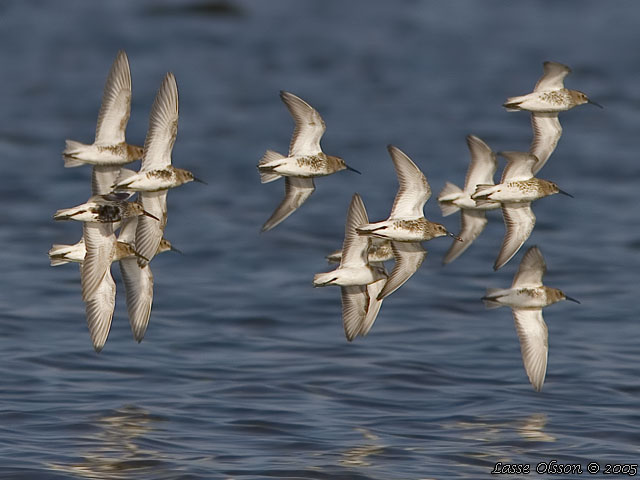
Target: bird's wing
531	270
519	221
309	126
373	307
414	190
482	167
546	134
520	166
296	192
100	242
102	178
354	307
472	224
138	284
116	103
355	247
99	309
534	343
408	258
163	127
149	231
553	77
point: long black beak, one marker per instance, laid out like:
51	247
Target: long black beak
144	212
196	179
353	170
174	249
594	103
455	237
571	299
565	193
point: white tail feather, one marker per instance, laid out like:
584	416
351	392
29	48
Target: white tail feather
269	156
449	193
490	298
71	148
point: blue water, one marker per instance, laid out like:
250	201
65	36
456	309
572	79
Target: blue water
245	372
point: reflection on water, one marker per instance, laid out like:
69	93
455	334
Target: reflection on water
357	456
532	428
113	452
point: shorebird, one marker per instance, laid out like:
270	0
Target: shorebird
516	190
156	173
360	282
306	160
526	297
472	217
406	226
549	97
549	94
104	209
61	254
138	281
109	149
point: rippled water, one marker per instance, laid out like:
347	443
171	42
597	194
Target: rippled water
244	372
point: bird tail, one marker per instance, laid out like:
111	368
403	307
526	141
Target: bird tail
481	195
449	193
490	299
266	173
512	104
71	149
323	279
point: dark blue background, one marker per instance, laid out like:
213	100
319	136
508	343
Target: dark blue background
244	371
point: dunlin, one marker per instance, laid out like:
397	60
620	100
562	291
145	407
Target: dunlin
472	217
526	297
547	99
306	160
157	174
138	281
406	223
104	209
60	254
549	94
516	190
359	281
109	149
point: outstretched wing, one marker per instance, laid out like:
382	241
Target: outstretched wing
414	190
534	344
472	223
163	127
296	192
408	258
116	103
519	221
138	284
520	166
546	134
309	126
531	270
483	164
553	77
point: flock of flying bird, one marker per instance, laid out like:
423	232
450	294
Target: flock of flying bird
141	222
361	274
